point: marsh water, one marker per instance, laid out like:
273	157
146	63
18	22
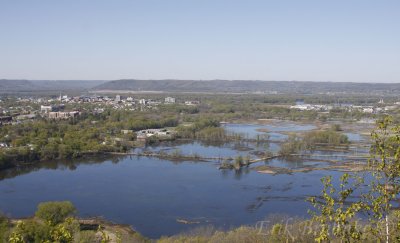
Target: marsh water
156	195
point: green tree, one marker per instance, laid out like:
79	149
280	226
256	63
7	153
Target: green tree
55	212
336	127
238	162
64	232
332	210
334	213
385	166
30	231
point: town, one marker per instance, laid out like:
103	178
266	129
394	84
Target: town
15	110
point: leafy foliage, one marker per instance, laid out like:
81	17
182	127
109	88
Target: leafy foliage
55	212
4	225
385	166
312	140
47	140
333	211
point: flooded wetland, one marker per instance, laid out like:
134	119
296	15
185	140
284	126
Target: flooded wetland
162	196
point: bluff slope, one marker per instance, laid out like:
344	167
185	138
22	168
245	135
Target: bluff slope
241	86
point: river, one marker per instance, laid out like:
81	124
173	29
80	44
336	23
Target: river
153	195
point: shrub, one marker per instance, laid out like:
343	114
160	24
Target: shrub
291	146
4	227
330	138
55	212
336	127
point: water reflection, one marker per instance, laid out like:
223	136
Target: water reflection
151	193
56	165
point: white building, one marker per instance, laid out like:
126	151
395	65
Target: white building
309	107
3	145
368	109
170	100
192	102
151	132
46	108
63	115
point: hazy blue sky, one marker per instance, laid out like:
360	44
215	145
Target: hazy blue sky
337	40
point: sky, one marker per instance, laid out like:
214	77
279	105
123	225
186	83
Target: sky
340	40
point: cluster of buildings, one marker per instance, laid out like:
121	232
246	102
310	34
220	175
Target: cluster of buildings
144	134
24	109
161	133
118	99
57	112
348	107
17	113
141	136
309	107
47	105
119	102
63	114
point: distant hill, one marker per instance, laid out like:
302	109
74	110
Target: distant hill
14	85
242	86
208	86
8	85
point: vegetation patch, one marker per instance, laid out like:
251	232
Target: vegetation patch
311	141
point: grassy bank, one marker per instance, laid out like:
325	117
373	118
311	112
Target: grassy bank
55	222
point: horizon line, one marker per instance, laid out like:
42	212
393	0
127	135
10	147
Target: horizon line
202	80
